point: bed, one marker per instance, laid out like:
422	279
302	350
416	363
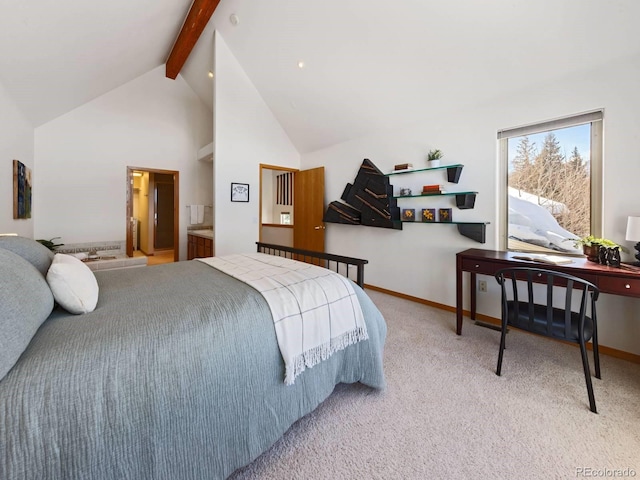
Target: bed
176	373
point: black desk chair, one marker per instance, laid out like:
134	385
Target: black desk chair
536	314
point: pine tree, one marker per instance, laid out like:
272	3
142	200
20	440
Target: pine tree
549	166
576	163
522	164
525	153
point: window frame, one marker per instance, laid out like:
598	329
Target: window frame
596	166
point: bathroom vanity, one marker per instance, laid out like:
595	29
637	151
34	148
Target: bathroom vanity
199	243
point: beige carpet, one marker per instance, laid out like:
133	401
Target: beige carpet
446	415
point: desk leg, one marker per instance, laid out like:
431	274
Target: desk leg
472	285
458	295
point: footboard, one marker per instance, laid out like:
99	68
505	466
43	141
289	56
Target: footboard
326	260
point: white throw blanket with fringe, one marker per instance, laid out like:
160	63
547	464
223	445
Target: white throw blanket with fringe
315	311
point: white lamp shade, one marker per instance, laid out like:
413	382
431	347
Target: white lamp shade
633	229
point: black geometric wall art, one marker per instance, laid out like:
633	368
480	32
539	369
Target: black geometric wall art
369	201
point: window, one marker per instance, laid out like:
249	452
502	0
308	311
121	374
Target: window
285	218
552	175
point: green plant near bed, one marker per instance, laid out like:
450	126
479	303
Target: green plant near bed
50	244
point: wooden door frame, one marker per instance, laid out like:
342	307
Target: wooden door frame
271	167
176	208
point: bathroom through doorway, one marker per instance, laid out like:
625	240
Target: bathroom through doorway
152	222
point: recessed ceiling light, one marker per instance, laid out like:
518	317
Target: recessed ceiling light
300	64
234	19
210	74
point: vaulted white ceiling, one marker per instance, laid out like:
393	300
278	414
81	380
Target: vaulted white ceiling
57	55
369	64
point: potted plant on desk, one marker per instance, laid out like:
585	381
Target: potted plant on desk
591	247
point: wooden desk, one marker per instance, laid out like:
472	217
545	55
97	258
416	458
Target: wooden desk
613	280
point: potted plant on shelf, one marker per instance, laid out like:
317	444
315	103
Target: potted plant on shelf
433	157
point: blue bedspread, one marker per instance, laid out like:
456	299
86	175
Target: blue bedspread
175	375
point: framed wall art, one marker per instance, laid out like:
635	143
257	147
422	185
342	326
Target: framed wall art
21	190
444	215
409	215
429	215
239	192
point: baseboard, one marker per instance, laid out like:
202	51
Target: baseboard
604	350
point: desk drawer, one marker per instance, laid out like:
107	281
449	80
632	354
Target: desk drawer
479	266
620	286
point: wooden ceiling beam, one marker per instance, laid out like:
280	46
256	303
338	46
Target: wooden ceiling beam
197	19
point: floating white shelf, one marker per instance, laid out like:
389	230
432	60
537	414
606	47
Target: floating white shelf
205	154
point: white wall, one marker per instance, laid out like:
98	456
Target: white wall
246	135
278	235
81	157
16	143
420	260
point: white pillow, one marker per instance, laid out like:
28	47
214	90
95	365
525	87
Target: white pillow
73	284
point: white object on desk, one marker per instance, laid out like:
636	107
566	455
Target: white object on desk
550	259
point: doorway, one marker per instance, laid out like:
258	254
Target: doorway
276	205
292	207
152	222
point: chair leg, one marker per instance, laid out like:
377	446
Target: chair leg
596	354
587	376
502	342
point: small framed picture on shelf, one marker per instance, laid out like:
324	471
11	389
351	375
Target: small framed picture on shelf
239	192
428	214
409	215
444	214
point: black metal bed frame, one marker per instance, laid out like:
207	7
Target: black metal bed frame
323	259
